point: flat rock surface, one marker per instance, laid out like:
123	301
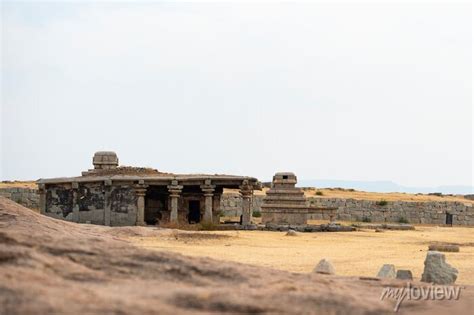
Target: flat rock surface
49	266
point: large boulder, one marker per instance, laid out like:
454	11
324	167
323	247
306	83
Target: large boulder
437	271
325	267
387	271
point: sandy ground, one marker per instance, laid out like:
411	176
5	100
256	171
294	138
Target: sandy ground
352	253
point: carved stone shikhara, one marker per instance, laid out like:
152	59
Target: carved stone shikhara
285	203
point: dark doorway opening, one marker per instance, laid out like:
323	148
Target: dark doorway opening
194	214
449	219
156	202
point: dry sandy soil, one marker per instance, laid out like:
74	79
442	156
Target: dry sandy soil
49	266
360	253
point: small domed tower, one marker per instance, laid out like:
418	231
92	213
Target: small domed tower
284	180
104	160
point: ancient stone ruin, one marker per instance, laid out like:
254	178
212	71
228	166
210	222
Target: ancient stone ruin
285	203
118	196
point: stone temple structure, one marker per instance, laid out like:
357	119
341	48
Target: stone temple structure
120	196
285	203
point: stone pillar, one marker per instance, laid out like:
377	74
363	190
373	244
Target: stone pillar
42	198
107	201
246	190
216	207
75	206
208	191
175	192
140	191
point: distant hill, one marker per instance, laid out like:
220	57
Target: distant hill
385	186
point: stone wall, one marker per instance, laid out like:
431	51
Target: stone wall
231	204
367	210
27	197
397	211
92	203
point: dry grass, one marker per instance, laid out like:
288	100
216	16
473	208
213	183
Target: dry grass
359	253
364	195
18	184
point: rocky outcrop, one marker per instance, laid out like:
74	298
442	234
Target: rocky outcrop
437	271
50	266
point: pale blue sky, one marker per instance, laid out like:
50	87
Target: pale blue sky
328	91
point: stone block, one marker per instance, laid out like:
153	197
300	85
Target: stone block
437	271
404	275
387	272
325	267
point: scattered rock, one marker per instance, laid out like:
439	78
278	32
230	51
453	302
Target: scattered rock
248	227
387	271
291	233
369	278
437	271
378	230
444	248
308	228
325	267
404	275
399	227
384	226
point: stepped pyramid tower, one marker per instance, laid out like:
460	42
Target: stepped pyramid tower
284	203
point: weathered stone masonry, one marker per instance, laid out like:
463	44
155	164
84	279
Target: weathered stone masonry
357	210
395	211
27	197
285	203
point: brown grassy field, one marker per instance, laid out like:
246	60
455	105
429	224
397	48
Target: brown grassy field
364	195
18	184
360	253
